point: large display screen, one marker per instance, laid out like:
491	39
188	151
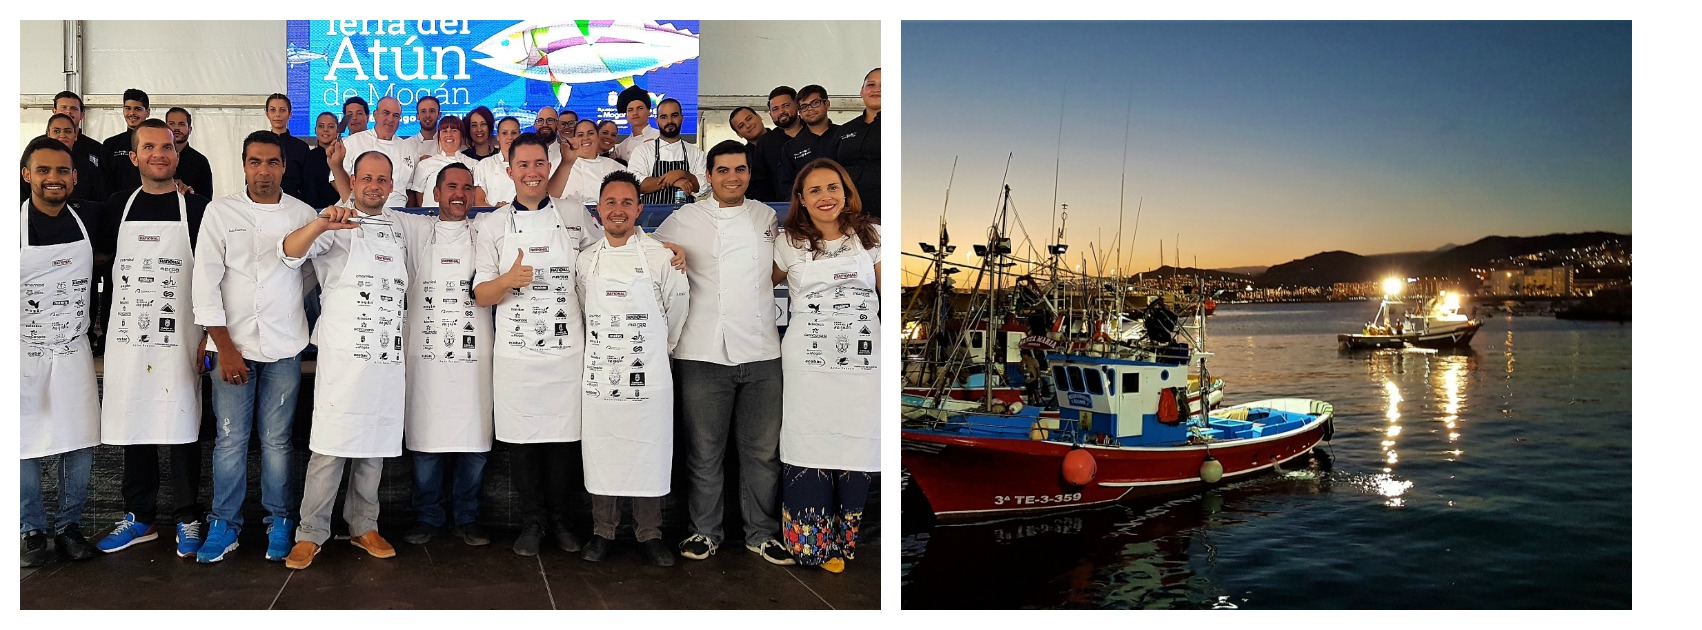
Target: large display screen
512	67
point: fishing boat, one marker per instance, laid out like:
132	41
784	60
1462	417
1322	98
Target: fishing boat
1437	323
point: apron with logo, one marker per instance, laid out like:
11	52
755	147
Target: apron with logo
60	410
538	356
360	388
449	353
152	389
831	362
628	388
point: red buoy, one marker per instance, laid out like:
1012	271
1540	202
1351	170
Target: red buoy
1079	467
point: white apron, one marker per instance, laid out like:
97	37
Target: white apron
629	390
360	389
539	357
449	353
831	362
60	409
153	389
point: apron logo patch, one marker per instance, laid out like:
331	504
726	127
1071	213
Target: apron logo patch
635	379
147	239
381	258
171	261
449	261
619	294
62	262
845	276
543	249
637	316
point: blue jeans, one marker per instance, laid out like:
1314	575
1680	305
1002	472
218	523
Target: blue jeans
73	491
269	393
467	478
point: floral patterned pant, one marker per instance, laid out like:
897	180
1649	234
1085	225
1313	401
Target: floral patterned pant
820	512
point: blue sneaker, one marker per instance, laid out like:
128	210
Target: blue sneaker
127	532
188	538
221	540
280	537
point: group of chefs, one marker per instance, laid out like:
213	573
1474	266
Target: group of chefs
588	346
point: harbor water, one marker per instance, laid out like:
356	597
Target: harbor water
1488	478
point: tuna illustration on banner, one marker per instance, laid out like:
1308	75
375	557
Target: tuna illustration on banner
585	51
297	55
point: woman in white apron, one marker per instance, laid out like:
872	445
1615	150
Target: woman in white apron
153	381
60	406
830	431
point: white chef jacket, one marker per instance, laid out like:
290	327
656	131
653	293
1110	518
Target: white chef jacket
620	265
582	230
644	158
585	179
732	317
237	269
402	160
623	151
425	176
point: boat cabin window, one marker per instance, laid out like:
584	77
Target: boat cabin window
1093	384
1131	382
1076	380
975	339
1110	381
1058	377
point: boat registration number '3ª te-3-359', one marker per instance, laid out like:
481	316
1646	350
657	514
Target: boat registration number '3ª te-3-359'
1043	499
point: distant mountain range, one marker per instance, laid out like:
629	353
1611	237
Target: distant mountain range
1328	268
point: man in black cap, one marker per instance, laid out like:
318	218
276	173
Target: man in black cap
635	103
121	174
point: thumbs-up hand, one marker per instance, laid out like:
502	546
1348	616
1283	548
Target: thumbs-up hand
520	275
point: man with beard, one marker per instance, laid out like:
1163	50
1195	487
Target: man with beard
121	175
582	170
60	412
278	112
355	113
860	147
634	103
728	358
192	167
629	295
748	125
545	125
360	387
447	424
667	165
771	149
382	138
818	139
251	305
153	365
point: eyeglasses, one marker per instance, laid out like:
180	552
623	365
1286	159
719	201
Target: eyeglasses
812	104
547	120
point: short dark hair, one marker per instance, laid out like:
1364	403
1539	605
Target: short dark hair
498	124
324	114
358	100
264	136
151	123
615	177
179	110
39	143
566	111
584	121
390	166
484	112
67	118
422	99
279	96
529	138
453	166
134	94
725	147
812	89
741	108
453	122
782	90
670	99
70	95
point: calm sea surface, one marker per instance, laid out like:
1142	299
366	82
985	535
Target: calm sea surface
1496	477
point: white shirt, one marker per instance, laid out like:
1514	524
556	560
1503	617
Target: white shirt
623	151
419	230
585	178
644	159
582	230
492	175
620	265
425	175
331	248
402	159
241	283
420	148
788	254
732	318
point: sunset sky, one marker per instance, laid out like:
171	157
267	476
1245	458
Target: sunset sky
1264	142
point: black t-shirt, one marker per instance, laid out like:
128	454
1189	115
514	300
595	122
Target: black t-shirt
771	152
61	229
193	170
859	151
761	186
115	162
316	188
148	207
295	163
804	148
91	185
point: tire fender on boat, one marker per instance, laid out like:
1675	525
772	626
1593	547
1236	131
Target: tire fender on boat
1079	467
